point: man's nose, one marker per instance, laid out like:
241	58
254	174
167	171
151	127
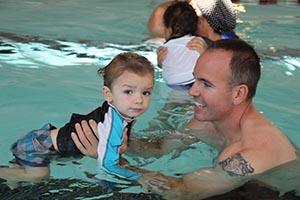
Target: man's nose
194	90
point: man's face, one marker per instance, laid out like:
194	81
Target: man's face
211	90
202	27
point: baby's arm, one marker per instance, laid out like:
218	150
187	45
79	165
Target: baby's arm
161	54
198	44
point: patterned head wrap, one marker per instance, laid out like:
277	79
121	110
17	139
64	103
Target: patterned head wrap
219	14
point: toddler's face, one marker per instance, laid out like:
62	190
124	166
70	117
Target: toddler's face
130	93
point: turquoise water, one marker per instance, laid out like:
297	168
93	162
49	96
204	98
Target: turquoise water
50	52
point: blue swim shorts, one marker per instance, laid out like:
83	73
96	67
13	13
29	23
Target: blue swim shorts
34	148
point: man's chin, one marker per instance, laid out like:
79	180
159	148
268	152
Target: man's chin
199	117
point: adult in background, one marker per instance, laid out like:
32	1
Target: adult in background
216	20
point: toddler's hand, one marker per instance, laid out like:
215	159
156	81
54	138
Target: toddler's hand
197	44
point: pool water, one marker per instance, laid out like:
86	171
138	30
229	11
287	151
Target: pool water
50	52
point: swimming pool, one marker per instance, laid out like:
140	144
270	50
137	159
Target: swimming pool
50	52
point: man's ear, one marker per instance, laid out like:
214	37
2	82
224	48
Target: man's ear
107	94
239	93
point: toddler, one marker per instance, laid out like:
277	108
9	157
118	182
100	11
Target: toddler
128	84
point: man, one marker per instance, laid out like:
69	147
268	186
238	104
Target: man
226	77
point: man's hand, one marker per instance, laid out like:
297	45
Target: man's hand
86	139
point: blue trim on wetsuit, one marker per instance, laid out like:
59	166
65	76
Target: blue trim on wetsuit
109	142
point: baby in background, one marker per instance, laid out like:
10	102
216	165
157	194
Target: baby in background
128	84
180	20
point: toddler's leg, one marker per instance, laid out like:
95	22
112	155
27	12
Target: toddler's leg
24	174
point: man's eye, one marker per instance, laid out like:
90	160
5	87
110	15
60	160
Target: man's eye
128	92
205	84
147	93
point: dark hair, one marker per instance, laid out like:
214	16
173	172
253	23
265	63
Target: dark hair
244	63
181	18
128	61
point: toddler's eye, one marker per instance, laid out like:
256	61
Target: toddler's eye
147	93
128	92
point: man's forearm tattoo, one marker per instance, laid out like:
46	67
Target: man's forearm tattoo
236	165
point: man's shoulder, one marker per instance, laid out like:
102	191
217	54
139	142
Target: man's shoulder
261	147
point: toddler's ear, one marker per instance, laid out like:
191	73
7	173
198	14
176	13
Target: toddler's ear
107	94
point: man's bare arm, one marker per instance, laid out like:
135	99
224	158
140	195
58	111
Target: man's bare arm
236	165
177	141
144	148
87	142
206	132
201	183
156	147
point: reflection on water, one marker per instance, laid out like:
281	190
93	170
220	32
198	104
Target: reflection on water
34	52
78	189
284	178
70	189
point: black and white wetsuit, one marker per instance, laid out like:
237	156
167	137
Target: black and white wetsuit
111	125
